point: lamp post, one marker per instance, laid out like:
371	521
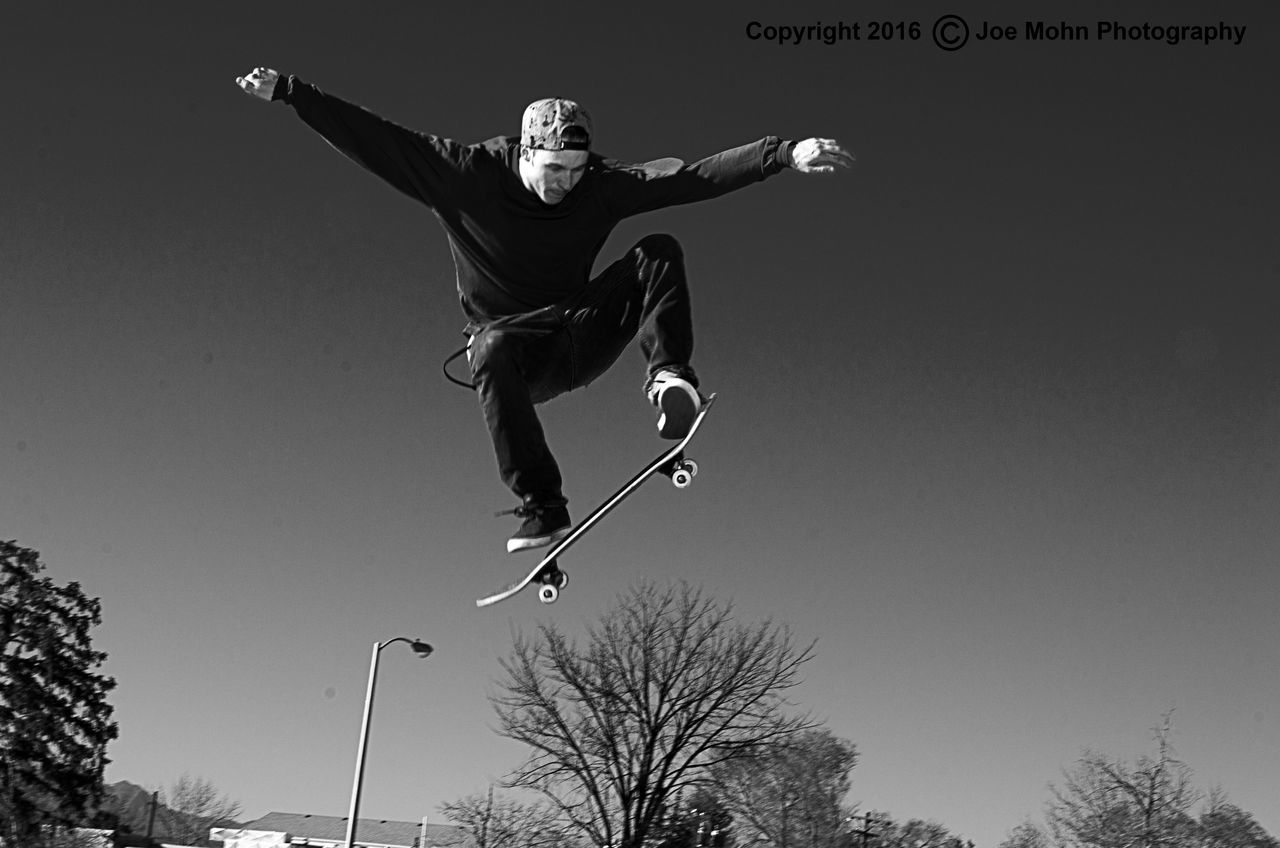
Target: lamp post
423	650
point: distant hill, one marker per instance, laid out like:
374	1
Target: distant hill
130	804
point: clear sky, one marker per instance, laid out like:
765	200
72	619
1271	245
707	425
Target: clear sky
999	417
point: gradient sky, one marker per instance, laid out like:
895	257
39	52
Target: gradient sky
999	418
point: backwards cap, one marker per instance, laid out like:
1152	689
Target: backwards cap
555	124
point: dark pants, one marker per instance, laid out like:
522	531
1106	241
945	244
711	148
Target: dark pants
523	360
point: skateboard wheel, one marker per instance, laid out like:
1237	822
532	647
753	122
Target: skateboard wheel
682	474
562	579
548	594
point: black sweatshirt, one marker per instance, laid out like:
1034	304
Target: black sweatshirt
513	252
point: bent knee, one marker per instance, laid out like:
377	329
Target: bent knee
660	246
489	347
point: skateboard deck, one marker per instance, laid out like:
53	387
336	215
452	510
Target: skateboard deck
547	573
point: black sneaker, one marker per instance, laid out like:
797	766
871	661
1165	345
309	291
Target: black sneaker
546	520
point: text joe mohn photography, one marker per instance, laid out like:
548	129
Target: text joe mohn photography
952	32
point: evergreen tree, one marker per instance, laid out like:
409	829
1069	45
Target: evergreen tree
55	721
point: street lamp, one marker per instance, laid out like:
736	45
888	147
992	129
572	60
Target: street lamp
423	650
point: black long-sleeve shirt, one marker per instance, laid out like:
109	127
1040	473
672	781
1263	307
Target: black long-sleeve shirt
513	252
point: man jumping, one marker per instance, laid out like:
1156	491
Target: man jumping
525	219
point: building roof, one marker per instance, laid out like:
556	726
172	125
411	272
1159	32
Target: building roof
375	831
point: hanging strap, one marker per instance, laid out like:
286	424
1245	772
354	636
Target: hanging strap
445	367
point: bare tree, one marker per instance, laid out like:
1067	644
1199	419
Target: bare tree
505	823
791	793
191	807
666	686
1105	803
1224	825
1026	835
913	833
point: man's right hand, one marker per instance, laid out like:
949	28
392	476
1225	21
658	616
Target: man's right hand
819	156
260	82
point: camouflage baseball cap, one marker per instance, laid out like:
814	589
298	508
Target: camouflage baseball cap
555	124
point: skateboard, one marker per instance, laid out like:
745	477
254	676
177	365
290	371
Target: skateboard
547	574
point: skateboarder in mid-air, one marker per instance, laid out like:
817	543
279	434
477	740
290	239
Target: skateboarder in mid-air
525	219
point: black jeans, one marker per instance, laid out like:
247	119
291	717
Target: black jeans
522	360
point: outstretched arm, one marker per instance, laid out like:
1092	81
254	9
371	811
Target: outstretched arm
819	156
418	164
669	182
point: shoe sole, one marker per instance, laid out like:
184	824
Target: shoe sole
678	413
514	545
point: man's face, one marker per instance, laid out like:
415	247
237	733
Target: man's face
551	174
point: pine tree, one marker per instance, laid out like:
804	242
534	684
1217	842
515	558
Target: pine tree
55	721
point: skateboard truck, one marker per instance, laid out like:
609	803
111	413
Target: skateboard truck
681	471
552	580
